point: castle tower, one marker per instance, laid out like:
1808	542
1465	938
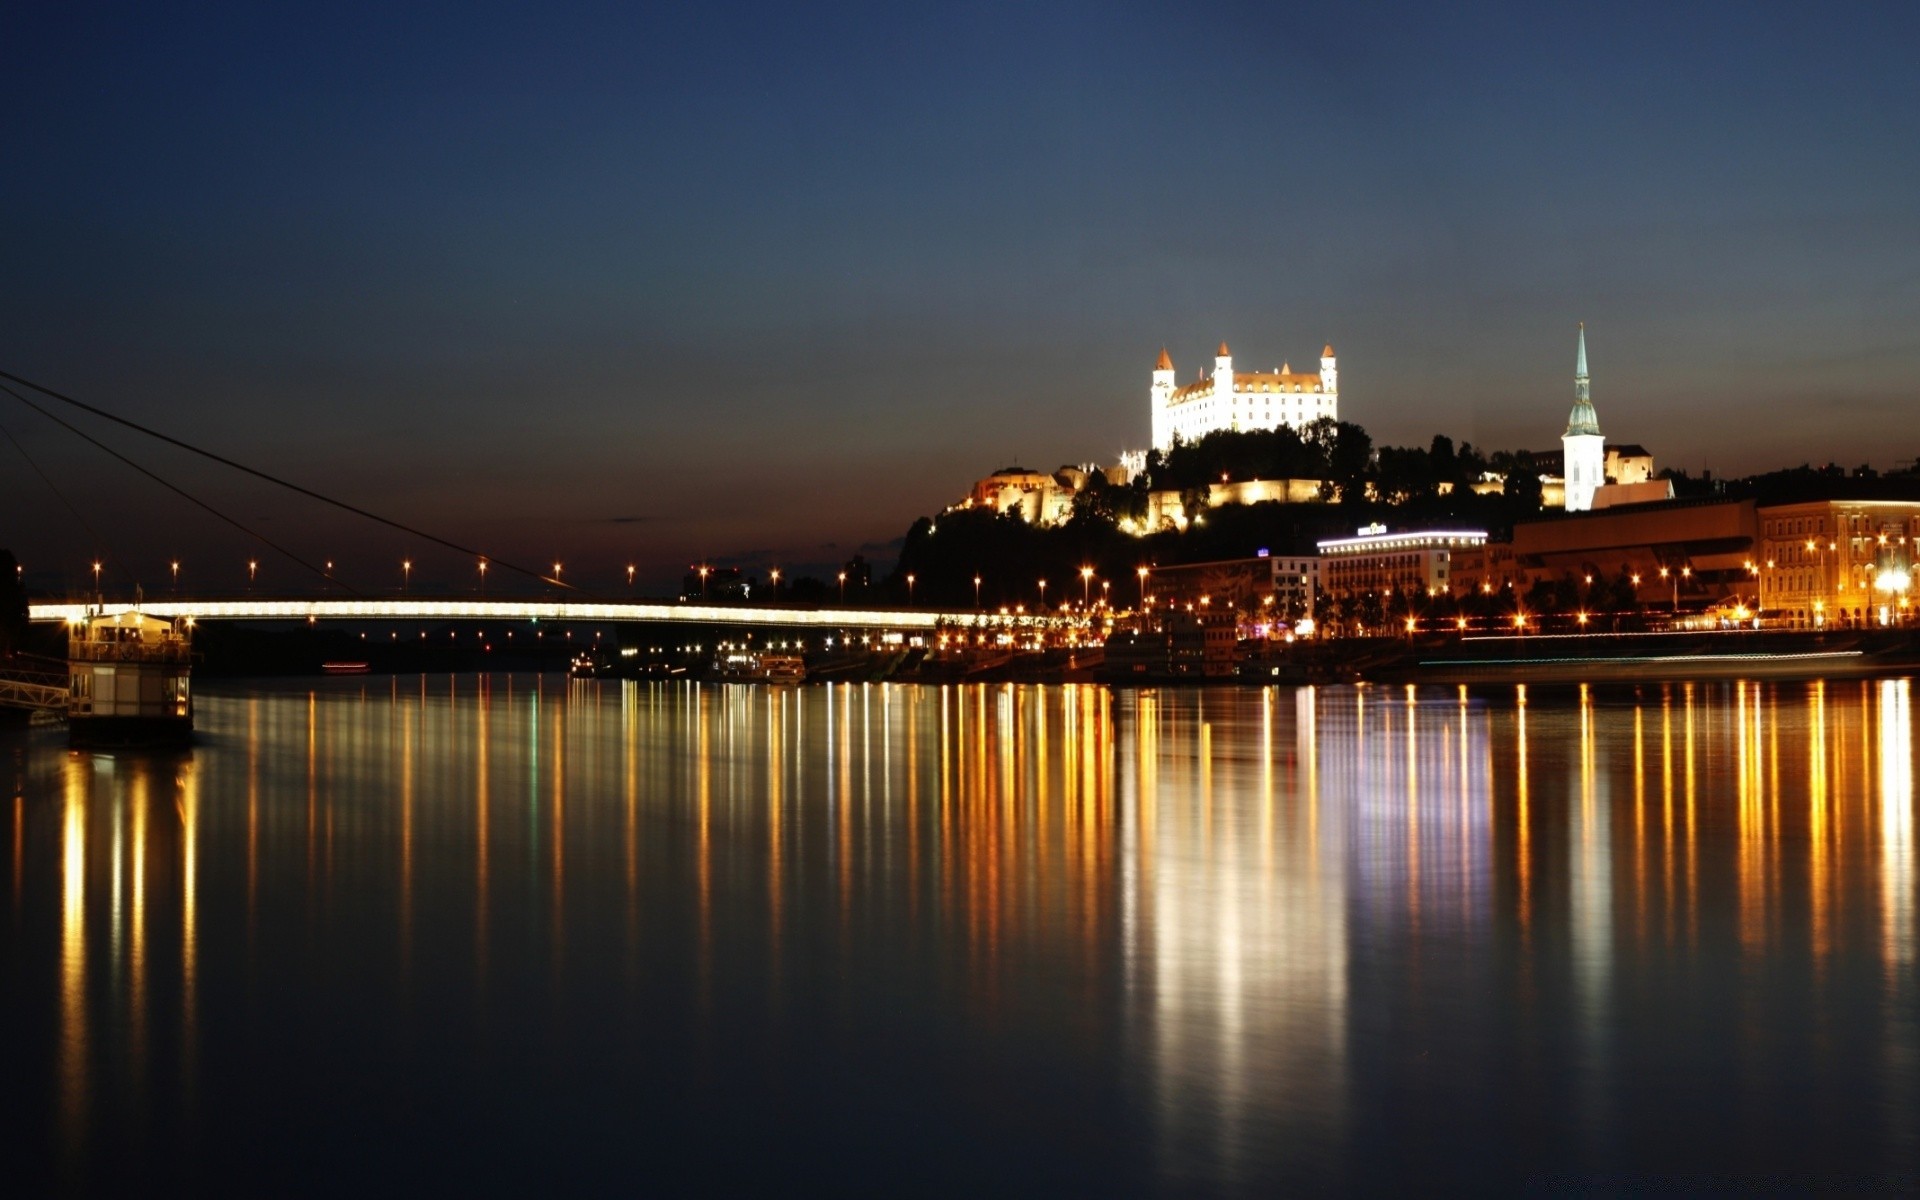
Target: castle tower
1161	396
1329	383
1584	450
1223	375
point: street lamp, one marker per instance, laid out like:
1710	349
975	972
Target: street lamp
483	577
909	589
253	567
556	572
843	586
1142	573
629	574
176	575
1086	582
976	591
1043	594
96	577
406	574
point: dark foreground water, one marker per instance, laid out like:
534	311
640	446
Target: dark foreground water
508	934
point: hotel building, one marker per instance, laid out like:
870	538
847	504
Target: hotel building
1380	562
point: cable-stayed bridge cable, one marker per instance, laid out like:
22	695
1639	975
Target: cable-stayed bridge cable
174	488
276	480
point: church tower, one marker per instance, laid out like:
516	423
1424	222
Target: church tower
1584	450
1162	396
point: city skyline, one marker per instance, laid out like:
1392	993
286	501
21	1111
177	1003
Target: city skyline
726	259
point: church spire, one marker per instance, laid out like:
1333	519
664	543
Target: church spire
1583	419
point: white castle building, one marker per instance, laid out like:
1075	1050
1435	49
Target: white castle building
1584	450
1240	400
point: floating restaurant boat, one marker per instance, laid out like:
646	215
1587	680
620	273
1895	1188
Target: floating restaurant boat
784	668
129	680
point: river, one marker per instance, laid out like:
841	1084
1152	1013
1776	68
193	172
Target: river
502	933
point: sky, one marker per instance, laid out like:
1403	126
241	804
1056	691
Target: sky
760	284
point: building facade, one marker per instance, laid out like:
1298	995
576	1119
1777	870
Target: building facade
1846	563
1382	563
1263	593
1240	400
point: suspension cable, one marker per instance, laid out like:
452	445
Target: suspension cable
100	546
174	488
276	480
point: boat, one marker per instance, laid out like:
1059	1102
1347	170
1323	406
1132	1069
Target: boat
747	666
784	668
129	680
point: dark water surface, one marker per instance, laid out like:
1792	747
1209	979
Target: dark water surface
514	933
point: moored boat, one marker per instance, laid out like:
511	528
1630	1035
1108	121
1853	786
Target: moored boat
129	679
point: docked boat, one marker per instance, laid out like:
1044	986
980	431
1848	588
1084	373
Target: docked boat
747	666
784	668
129	680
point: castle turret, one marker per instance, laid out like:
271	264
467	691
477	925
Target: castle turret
1223	374
1583	448
1161	395
1329	383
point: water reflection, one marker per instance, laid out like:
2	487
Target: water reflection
1246	933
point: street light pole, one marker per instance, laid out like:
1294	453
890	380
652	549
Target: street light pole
976	591
1086	583
1142	573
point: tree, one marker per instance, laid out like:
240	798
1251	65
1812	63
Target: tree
13	605
1349	461
1523	489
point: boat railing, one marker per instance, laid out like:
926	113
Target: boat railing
170	650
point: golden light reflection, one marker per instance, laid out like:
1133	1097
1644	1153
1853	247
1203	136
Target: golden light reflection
1212	855
73	956
1896	826
1819	828
188	784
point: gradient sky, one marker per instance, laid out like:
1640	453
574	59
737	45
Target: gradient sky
629	283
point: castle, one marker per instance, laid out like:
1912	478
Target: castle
1240	400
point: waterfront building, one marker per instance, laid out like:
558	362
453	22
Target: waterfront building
1240	400
1262	592
1837	562
1378	562
1686	552
1583	449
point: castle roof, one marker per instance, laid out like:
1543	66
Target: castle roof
1166	361
1327	350
1254	381
1223	351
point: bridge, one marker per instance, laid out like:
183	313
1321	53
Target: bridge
35	684
409	609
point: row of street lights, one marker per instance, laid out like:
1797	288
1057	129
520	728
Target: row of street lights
704	571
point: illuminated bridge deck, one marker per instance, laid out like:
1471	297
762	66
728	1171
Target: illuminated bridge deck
523	610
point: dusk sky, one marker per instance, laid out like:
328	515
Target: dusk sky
764	283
